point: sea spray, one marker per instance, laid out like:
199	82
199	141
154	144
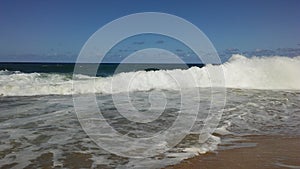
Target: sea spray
239	72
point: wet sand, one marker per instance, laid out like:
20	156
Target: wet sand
271	152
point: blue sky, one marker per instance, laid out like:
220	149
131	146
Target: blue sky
56	30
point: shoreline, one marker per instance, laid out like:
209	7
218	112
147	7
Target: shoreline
270	152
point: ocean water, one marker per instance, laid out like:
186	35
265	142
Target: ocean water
39	126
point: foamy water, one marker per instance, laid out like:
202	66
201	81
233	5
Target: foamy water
239	72
38	121
36	125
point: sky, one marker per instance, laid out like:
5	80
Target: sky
56	30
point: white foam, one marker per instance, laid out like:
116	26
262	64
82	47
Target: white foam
239	72
209	145
262	72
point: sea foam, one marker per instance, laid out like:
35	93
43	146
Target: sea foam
268	73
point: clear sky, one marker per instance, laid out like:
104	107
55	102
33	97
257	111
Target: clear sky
57	29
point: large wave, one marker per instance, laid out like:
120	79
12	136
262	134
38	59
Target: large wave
275	72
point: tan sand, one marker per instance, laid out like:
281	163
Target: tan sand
271	152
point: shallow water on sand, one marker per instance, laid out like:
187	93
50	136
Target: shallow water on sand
43	131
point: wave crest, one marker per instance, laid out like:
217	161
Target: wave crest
239	72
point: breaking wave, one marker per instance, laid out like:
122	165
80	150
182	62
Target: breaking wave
268	73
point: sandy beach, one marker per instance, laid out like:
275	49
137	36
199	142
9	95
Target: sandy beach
270	152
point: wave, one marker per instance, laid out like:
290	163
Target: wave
268	73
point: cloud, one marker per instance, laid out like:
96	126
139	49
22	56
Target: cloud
289	52
160	42
232	51
138	43
32	57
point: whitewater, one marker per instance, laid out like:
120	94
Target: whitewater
270	73
39	121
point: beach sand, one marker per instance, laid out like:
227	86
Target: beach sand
269	153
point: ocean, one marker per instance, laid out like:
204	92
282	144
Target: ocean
40	126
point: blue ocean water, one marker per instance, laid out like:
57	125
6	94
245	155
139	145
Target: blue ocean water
104	69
